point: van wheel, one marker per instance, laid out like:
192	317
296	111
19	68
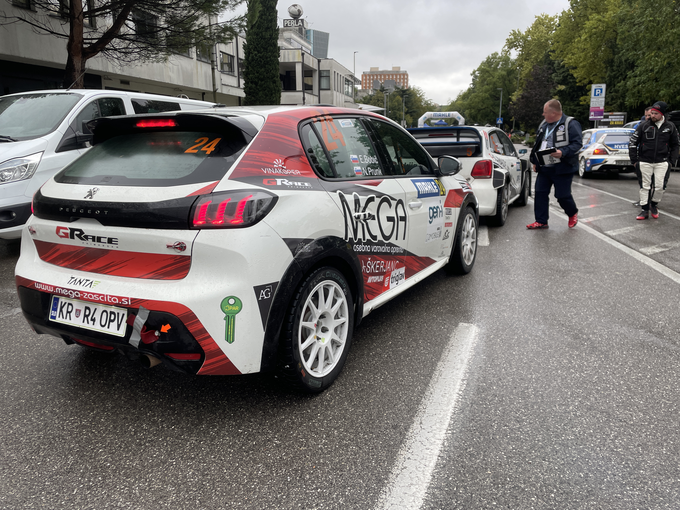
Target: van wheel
501	215
464	251
318	331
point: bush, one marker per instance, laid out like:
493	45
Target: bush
529	142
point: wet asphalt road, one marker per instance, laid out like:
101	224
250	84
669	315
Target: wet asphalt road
570	399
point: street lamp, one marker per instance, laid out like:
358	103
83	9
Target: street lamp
354	78
500	107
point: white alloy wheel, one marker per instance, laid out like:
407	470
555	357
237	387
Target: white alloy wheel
323	329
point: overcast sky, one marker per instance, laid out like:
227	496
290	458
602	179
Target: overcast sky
439	42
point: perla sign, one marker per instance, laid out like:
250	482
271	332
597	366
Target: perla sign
293	23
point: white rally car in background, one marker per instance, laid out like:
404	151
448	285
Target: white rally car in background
490	165
605	150
238	240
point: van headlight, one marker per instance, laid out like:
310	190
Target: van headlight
19	169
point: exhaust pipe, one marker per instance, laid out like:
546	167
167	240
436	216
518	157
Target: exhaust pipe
149	361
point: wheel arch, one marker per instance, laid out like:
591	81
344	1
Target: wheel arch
325	251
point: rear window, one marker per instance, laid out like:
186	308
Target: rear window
618	138
157	159
461	143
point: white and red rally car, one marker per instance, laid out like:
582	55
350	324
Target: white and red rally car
239	240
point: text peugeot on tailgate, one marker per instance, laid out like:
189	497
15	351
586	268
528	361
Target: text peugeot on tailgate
239	240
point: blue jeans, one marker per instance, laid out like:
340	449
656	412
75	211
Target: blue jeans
545	180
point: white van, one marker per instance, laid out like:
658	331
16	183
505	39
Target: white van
43	131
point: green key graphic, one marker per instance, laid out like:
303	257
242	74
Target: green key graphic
230	306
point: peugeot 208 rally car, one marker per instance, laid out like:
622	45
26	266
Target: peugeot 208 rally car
239	240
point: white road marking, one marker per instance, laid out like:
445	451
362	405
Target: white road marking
10	313
626	199
483	236
595	218
651	250
418	455
619	231
629	251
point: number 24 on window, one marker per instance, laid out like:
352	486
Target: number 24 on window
203	144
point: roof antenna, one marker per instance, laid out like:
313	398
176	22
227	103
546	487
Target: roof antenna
78	78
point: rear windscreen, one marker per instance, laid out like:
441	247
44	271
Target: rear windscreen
618	139
462	150
169	158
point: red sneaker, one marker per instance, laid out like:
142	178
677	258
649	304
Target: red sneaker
573	220
536	225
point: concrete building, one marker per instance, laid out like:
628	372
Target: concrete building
32	61
371	80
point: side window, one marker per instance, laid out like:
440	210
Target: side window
586	137
88	113
406	156
153	106
508	147
315	151
346	142
111	106
495	143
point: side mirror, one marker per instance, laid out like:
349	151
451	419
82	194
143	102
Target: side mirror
522	151
448	165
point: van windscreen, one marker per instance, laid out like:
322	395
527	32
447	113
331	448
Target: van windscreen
28	116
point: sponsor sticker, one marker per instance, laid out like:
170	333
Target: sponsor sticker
395	278
427	188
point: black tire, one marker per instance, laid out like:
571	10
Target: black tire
464	251
523	198
313	357
501	215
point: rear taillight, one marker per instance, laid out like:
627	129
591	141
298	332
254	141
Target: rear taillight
231	209
482	169
600	152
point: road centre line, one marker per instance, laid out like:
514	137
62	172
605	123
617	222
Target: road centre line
624	199
629	251
417	457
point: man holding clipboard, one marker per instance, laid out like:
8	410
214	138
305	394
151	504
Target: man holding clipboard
554	157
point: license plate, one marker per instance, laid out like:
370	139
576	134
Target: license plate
92	316
624	162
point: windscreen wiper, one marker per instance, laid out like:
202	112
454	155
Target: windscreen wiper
5	138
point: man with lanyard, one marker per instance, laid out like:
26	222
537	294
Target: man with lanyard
653	146
554	157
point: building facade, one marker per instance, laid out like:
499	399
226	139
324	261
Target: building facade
32	61
371	80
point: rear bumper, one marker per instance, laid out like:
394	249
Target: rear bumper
172	338
620	164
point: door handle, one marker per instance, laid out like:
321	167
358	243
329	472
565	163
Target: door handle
415	205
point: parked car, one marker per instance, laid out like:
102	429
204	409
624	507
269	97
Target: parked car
239	240
43	131
490	165
631	125
605	150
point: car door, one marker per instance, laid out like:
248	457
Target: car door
371	203
505	157
430	224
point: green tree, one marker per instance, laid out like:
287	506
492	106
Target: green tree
481	102
532	45
527	106
126	31
262	83
649	36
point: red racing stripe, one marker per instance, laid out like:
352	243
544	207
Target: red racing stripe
152	266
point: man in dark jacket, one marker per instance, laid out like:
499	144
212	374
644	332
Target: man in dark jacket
554	157
653	146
